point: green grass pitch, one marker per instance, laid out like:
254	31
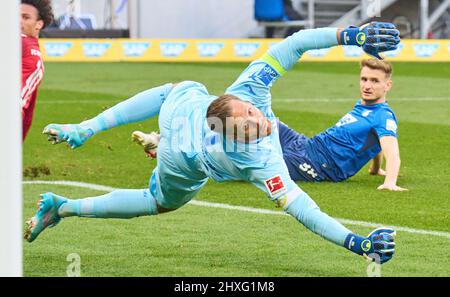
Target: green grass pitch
206	241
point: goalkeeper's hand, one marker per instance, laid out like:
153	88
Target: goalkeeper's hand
382	245
373	38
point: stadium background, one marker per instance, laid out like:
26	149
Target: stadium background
207	239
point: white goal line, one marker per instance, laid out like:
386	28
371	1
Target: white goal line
243	208
394	99
274	100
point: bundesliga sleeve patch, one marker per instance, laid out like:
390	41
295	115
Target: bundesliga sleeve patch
275	185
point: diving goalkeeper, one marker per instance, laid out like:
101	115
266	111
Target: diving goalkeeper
231	137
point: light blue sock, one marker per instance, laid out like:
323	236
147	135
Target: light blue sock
140	107
306	211
289	51
122	204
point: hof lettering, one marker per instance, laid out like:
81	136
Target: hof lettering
425	50
210	49
172	49
95	49
57	49
135	49
246	49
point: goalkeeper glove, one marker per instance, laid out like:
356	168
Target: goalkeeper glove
373	38
378	246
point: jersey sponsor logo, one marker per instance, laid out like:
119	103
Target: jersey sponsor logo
265	75
246	49
396	52
172	49
391	125
95	49
135	49
352	51
318	53
425	50
366	113
347	119
305	167
209	49
275	185
35	52
57	49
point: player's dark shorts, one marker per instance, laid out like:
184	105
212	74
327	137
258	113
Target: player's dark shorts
300	166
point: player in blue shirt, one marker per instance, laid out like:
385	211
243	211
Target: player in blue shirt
342	150
231	137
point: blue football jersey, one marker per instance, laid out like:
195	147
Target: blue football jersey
342	150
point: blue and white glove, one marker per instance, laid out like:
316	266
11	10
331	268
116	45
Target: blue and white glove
378	246
373	38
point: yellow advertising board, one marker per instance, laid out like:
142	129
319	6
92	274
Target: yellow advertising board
220	50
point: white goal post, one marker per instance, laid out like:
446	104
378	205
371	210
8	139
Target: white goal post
11	142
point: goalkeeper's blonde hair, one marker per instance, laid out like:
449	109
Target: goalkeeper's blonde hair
376	64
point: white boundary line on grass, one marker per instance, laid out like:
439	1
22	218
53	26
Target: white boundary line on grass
279	100
241	208
394	99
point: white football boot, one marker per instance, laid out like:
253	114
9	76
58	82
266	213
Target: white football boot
149	142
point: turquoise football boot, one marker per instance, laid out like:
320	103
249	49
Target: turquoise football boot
73	134
46	215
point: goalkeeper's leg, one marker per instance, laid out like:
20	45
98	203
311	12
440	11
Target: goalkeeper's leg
174	192
140	107
124	204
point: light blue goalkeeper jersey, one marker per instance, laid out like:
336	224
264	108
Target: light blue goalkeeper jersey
207	152
189	152
260	162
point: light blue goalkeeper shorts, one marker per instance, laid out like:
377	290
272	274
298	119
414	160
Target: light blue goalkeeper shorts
177	177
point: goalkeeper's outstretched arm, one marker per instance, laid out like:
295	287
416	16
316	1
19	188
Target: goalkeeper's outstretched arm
284	55
373	38
273	178
378	245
